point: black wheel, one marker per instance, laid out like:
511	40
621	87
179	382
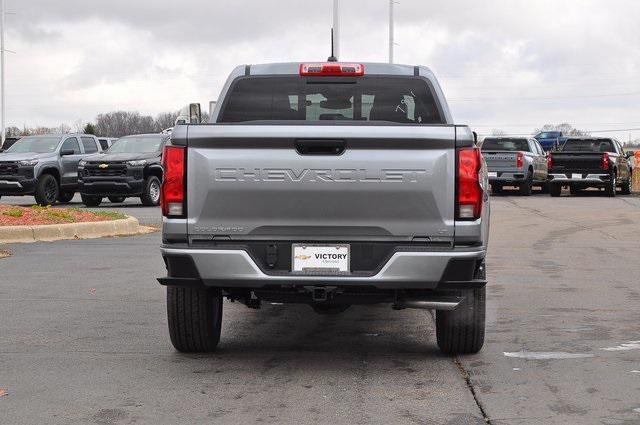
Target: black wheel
66	196
151	195
496	188
117	199
610	189
91	201
525	188
461	331
555	190
626	187
544	188
47	190
195	318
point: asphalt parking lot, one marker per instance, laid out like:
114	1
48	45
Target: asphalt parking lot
84	336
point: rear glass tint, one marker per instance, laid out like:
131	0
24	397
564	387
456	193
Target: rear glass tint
403	100
588	145
505	145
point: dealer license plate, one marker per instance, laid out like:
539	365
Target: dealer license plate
320	258
493	174
576	176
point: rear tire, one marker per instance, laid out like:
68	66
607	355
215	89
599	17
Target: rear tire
151	195
91	201
117	199
626	187
544	188
525	188
47	190
66	197
461	331
610	189
555	190
195	318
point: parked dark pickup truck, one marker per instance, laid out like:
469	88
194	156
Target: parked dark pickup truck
129	168
582	163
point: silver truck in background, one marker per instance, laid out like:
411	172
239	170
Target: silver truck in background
329	184
515	161
45	166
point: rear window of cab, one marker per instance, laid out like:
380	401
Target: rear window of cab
401	100
505	145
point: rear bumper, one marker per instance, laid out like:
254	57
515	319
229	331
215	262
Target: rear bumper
507	178
586	179
124	186
16	185
235	268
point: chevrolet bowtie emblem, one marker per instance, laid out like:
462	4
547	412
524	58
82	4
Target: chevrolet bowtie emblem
103	166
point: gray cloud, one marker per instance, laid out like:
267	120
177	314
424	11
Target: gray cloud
503	63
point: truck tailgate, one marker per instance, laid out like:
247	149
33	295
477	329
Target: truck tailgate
584	162
321	182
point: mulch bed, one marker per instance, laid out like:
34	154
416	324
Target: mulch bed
36	215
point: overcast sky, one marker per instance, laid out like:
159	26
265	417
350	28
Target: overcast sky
509	64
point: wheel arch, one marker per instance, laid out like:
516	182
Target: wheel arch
154	170
51	171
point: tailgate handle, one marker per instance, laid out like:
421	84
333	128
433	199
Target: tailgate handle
320	147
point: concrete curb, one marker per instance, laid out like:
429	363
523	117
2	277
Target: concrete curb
55	232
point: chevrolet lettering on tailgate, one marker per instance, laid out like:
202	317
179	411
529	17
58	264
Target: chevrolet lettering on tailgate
317	175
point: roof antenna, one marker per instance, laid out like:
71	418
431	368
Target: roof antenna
332	58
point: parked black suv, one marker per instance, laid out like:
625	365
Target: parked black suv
131	167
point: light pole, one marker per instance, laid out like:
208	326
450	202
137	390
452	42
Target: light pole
336	29
2	105
391	40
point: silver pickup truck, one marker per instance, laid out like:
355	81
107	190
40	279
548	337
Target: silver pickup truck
515	161
329	184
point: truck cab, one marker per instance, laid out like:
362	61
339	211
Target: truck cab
550	140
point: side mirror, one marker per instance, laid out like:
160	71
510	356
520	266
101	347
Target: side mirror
629	154
190	114
67	152
195	114
475	137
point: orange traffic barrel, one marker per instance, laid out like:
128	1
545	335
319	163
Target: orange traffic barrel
636	172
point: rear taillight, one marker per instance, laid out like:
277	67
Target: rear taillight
605	161
549	162
519	160
331	69
470	192
173	200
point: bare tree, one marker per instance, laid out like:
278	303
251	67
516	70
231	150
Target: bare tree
122	123
78	126
498	132
165	120
566	128
13	132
